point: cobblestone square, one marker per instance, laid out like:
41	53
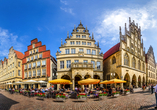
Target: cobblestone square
138	101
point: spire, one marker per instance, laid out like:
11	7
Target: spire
120	30
80	22
137	24
98	43
68	34
129	20
61	42
125	29
86	30
86	27
92	35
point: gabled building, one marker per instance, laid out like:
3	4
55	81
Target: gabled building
11	69
126	60
37	65
150	66
79	58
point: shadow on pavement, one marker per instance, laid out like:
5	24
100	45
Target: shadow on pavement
6	103
147	107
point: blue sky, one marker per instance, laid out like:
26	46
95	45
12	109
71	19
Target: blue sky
49	20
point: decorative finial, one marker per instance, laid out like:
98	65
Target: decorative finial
125	26
74	27
80	22
133	22
120	29
92	35
137	24
61	42
68	34
86	27
98	43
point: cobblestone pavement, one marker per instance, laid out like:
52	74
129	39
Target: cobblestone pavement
137	101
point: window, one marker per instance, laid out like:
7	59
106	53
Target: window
93	62
29	73
66	51
30	65
44	62
88	51
34	73
13	65
33	51
126	60
38	72
25	74
34	64
73	51
25	66
36	50
36	57
28	59
77	36
31	58
68	63
80	50
33	45
40	55
38	63
44	72
139	65
83	36
61	64
30	52
88	43
113	60
76	61
19	73
77	42
72	42
93	52
133	62
19	64
98	65
85	61
13	73
83	43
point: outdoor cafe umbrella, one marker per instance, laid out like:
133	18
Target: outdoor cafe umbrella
42	81
105	82
8	83
88	81
116	81
17	83
60	81
30	82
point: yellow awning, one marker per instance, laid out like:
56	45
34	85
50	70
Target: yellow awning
60	81
105	82
88	81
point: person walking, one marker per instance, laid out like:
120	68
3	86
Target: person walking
156	95
152	89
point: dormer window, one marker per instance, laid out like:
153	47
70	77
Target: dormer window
77	36
83	36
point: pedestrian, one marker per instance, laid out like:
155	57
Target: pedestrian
156	95
152	89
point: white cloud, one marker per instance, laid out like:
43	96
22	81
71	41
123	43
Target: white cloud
108	25
64	2
68	10
6	41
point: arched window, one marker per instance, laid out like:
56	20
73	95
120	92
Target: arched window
139	65
133	62
126	60
113	60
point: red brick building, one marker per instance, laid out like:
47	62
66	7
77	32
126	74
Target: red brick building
36	65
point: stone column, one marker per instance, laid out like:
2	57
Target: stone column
33	86
38	86
73	85
58	85
129	84
121	85
141	84
136	84
101	85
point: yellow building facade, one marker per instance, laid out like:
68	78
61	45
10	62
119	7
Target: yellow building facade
11	69
79	58
126	60
150	66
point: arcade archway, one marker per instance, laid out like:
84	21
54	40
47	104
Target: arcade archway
139	81
96	77
77	78
127	79
67	78
134	80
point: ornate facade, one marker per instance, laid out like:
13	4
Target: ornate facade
127	58
150	66
11	69
79	58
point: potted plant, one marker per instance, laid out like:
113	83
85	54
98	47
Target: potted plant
116	93
60	97
127	91
82	96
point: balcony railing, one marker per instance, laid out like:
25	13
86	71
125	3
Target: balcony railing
81	65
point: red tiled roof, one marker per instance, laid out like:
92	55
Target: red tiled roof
111	51
19	54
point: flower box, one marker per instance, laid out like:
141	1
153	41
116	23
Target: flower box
116	95
128	92
60	97
82	97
